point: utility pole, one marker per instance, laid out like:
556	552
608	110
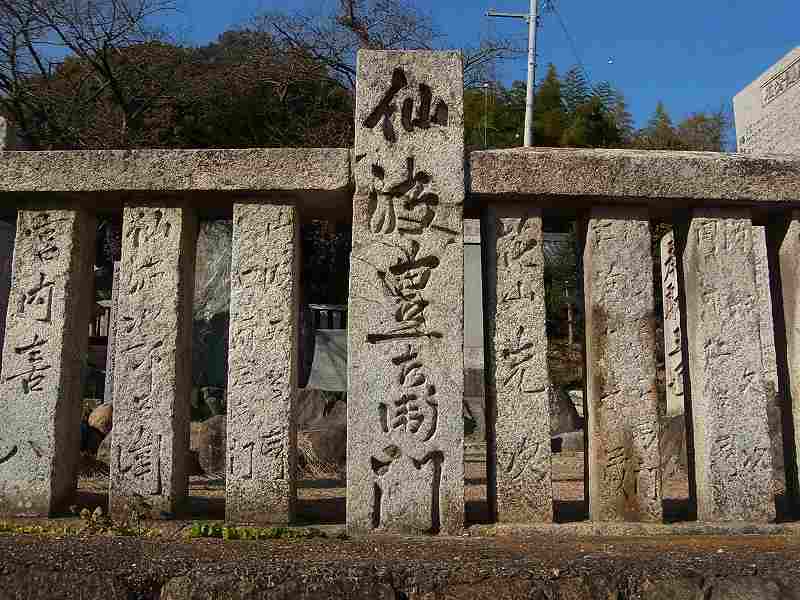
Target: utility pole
485	114
533	23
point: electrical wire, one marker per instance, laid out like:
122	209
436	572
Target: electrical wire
550	5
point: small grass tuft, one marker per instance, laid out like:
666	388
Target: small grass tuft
205	529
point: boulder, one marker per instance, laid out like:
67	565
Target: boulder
322	418
208	440
569	441
563	415
102	418
104	450
212	292
200	436
673	446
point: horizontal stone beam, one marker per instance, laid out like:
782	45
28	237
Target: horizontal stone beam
641	176
318	177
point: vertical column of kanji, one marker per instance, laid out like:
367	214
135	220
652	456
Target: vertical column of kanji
517	395
152	370
733	462
623	429
45	343
262	373
405	431
111	349
673	348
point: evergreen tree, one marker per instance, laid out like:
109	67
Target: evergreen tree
659	134
574	91
591	127
549	114
623	120
705	131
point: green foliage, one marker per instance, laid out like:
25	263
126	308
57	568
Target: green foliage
549	114
245	90
205	529
568	112
94	522
8	528
575	91
591	127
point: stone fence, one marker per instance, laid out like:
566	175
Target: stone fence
406	188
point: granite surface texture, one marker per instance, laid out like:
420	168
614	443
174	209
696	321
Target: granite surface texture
405	431
45	343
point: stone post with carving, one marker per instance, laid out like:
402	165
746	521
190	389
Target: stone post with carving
623	429
789	259
152	370
733	461
262	372
405	430
8	135
108	392
673	349
519	478
45	345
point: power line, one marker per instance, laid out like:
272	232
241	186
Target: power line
550	6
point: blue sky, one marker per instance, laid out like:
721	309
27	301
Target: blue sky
694	55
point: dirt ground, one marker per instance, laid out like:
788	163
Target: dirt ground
498	566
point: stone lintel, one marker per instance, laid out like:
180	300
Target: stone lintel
152	370
623	428
732	450
45	345
262	372
640	176
519	470
248	170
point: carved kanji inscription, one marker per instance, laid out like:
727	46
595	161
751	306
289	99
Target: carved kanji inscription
405	430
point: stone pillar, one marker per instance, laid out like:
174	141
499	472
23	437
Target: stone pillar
789	259
262	373
733	462
152	370
405	430
8	135
623	429
108	393
45	345
673	340
6	256
769	362
519	469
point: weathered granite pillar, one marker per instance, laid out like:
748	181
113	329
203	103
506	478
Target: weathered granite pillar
45	344
108	392
673	348
789	260
405	430
8	135
769	362
263	362
520	486
6	256
623	429
733	462
152	370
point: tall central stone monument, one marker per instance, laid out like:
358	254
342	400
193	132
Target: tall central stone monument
405	429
